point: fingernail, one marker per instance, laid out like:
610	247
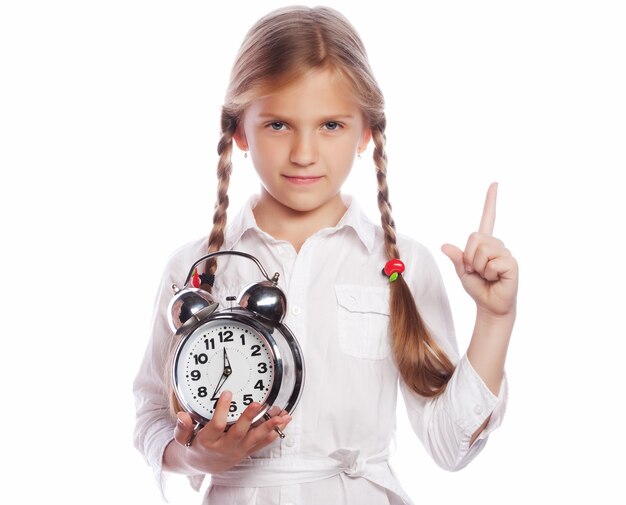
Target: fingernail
469	269
179	420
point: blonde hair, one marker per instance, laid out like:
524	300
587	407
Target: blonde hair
278	49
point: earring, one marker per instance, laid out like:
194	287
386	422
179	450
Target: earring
359	155
245	154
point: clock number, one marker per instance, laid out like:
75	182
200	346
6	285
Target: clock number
201	358
202	391
226	336
233	407
259	385
256	350
210	344
247	399
243	338
195	375
262	367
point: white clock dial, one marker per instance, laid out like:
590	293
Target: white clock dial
224	354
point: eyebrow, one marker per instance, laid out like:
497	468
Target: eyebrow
327	117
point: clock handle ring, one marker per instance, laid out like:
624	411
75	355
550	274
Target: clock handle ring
234	253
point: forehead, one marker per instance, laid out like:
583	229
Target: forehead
316	93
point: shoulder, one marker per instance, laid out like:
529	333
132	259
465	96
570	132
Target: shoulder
422	271
411	248
192	249
411	251
180	260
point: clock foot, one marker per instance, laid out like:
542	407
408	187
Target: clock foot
267	417
193	434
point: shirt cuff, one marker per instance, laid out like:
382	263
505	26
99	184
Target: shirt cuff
470	402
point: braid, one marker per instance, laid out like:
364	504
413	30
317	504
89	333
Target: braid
422	364
216	238
224	169
387	222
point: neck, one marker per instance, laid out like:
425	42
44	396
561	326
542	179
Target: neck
295	226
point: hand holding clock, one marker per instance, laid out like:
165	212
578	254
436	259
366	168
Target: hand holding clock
216	431
214	449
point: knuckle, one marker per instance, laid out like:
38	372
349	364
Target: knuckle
481	248
476	237
218	426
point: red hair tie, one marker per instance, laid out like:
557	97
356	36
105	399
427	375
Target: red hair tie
393	268
195	279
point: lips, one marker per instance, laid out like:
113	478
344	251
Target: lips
302	180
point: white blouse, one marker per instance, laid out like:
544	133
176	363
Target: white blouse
337	446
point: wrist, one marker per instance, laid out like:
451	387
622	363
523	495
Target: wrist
488	319
489	344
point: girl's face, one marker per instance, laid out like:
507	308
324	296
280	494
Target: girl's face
302	142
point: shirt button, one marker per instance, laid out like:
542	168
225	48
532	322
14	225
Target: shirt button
290	442
295	310
478	409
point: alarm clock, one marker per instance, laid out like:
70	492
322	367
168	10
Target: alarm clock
244	348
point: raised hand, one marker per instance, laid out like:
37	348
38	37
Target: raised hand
487	270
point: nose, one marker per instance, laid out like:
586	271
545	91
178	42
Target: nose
304	149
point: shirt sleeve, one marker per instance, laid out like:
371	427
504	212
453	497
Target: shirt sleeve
154	426
445	424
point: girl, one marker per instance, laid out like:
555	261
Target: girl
302	102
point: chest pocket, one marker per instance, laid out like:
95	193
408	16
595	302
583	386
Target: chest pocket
363	321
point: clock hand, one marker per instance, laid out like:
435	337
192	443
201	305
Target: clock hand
220	383
227	368
225	374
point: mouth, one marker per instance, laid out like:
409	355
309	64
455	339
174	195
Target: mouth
302	179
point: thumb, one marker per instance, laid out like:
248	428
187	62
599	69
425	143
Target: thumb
184	428
456	256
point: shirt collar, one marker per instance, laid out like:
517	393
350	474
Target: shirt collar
353	218
356	219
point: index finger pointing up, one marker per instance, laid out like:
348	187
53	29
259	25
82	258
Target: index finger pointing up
488	219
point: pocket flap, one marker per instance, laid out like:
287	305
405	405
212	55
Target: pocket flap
363	299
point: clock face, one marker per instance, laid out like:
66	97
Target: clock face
225	354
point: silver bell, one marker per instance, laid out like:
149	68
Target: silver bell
264	299
187	303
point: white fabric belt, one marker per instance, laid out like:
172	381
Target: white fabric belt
268	472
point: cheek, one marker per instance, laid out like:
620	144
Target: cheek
344	150
263	154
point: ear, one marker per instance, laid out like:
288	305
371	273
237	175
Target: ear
240	138
366	136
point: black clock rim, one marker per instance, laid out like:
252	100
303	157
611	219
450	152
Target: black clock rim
299	364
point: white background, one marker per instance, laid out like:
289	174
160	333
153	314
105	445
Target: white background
109	119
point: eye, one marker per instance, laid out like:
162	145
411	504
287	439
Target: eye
276	126
332	125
